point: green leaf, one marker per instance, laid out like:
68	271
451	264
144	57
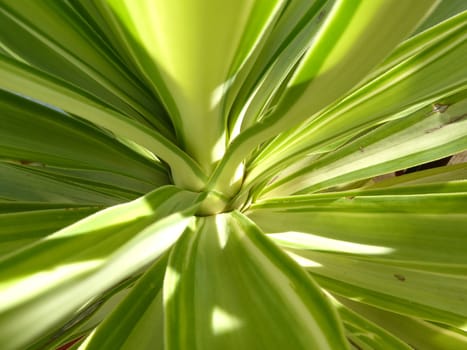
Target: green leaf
137	323
422	137
85	324
7	207
445	10
20	183
88	318
228	286
405	290
22	228
274	123
357	34
89	63
69	268
30	132
24	80
434	36
283	48
439	175
121	186
418	333
415	76
420	226
364	334
390	250
189	75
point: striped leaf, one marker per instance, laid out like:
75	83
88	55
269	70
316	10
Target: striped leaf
357	34
55	139
421	61
426	135
228	286
212	174
142	327
89	63
379	224
404	243
191	76
364	334
24	80
418	333
69	268
23	228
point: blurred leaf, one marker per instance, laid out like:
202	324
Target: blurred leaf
137	323
440	175
445	10
21	183
88	64
30	132
418	333
24	227
24	80
71	267
364	334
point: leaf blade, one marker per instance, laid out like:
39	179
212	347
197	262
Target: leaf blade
237	315
73	266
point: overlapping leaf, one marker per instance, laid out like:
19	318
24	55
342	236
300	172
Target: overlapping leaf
424	136
104	101
356	34
391	247
88	63
217	40
390	95
24	227
19	78
364	334
140	328
228	286
418	333
68	269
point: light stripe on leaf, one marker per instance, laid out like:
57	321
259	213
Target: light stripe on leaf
31	132
41	33
364	334
424	136
357	34
408	82
436	296
423	226
19	229
139	317
420	334
52	279
24	80
227	286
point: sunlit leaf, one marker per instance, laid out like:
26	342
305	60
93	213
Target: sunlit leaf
142	327
213	174
85	259
228	286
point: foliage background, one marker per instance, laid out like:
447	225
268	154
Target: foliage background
200	174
